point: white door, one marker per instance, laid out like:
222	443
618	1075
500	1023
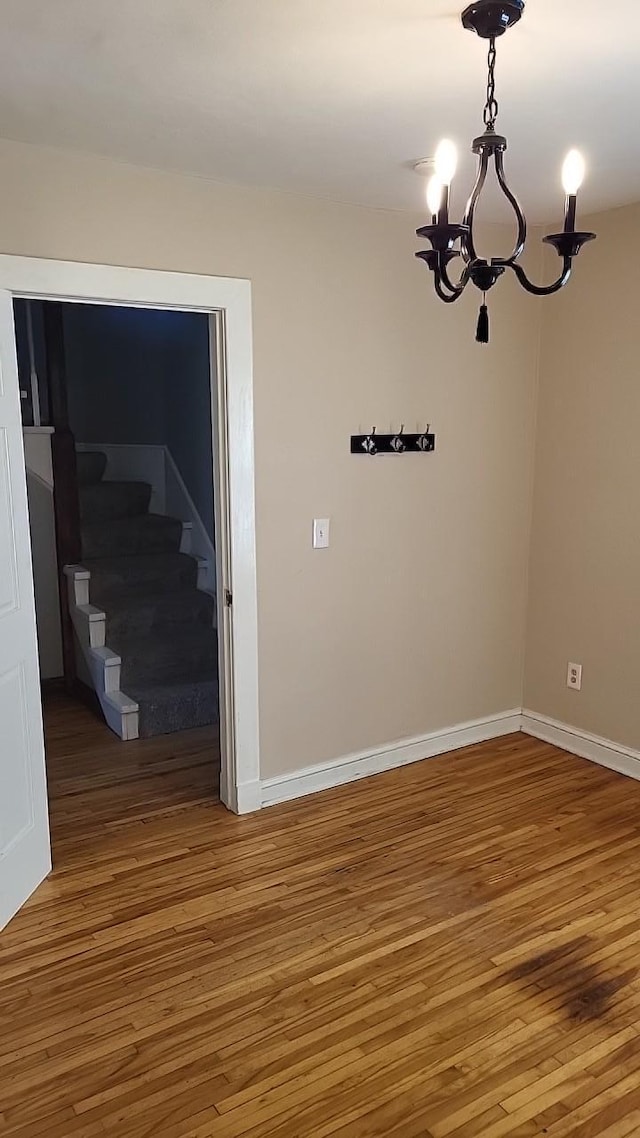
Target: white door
25	854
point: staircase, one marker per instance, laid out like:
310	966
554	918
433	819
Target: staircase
145	629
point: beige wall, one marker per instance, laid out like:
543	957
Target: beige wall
585	553
413	620
37	457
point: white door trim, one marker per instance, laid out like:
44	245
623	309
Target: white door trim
229	301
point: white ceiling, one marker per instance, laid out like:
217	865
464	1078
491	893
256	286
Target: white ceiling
328	97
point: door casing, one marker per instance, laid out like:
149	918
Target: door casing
227	301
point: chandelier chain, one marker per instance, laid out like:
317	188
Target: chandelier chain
490	113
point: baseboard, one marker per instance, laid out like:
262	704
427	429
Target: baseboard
52	686
242	799
365	763
582	743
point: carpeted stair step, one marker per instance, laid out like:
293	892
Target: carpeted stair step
129	617
91	465
150	533
167	657
104	501
174	707
137	576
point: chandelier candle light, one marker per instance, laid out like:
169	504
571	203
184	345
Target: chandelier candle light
490	19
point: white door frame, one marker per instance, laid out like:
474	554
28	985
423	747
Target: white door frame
228	302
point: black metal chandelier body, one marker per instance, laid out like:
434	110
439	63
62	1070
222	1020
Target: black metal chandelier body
490	19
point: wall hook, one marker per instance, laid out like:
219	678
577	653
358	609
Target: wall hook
425	441
397	443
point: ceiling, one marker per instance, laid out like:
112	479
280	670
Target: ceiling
335	98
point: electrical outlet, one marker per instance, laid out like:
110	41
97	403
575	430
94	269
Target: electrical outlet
574	676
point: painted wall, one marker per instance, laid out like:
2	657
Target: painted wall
187	396
413	620
585	550
37	457
142	376
24	360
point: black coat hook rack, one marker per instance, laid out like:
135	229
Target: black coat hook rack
424	442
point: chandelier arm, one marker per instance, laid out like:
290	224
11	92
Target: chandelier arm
449	298
458	288
517	209
467	244
543	290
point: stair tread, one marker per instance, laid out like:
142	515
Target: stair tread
170	689
90	465
127	561
167	656
183	599
150	521
142	615
174	706
166	643
106	501
129	483
152	533
136	574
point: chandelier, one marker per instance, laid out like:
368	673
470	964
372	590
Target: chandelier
490	19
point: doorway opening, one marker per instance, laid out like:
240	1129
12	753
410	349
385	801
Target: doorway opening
25	852
117	419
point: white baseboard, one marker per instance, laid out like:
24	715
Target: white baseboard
365	763
244	798
582	743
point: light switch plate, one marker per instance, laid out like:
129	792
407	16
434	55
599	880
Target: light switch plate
320	533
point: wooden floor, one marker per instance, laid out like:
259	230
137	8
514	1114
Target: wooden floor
448	949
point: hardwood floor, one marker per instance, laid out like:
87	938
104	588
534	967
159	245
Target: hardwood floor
450	949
